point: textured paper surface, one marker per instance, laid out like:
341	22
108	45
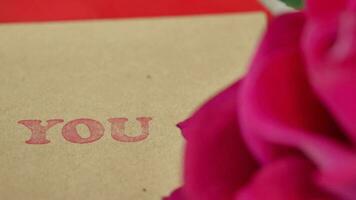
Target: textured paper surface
161	68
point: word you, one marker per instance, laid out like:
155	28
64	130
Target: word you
96	130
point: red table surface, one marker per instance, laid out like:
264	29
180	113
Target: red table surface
54	10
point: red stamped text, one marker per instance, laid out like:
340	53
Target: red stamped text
96	130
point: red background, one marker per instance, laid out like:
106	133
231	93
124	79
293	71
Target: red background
53	10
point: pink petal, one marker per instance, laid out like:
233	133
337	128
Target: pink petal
274	87
331	59
178	194
287	179
217	162
280	114
340	180
325	8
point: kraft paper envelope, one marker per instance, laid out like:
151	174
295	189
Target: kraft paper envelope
99	70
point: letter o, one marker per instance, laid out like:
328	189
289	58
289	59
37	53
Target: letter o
70	133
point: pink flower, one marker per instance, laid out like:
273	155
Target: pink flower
287	131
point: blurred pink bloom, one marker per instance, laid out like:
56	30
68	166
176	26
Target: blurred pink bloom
287	131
